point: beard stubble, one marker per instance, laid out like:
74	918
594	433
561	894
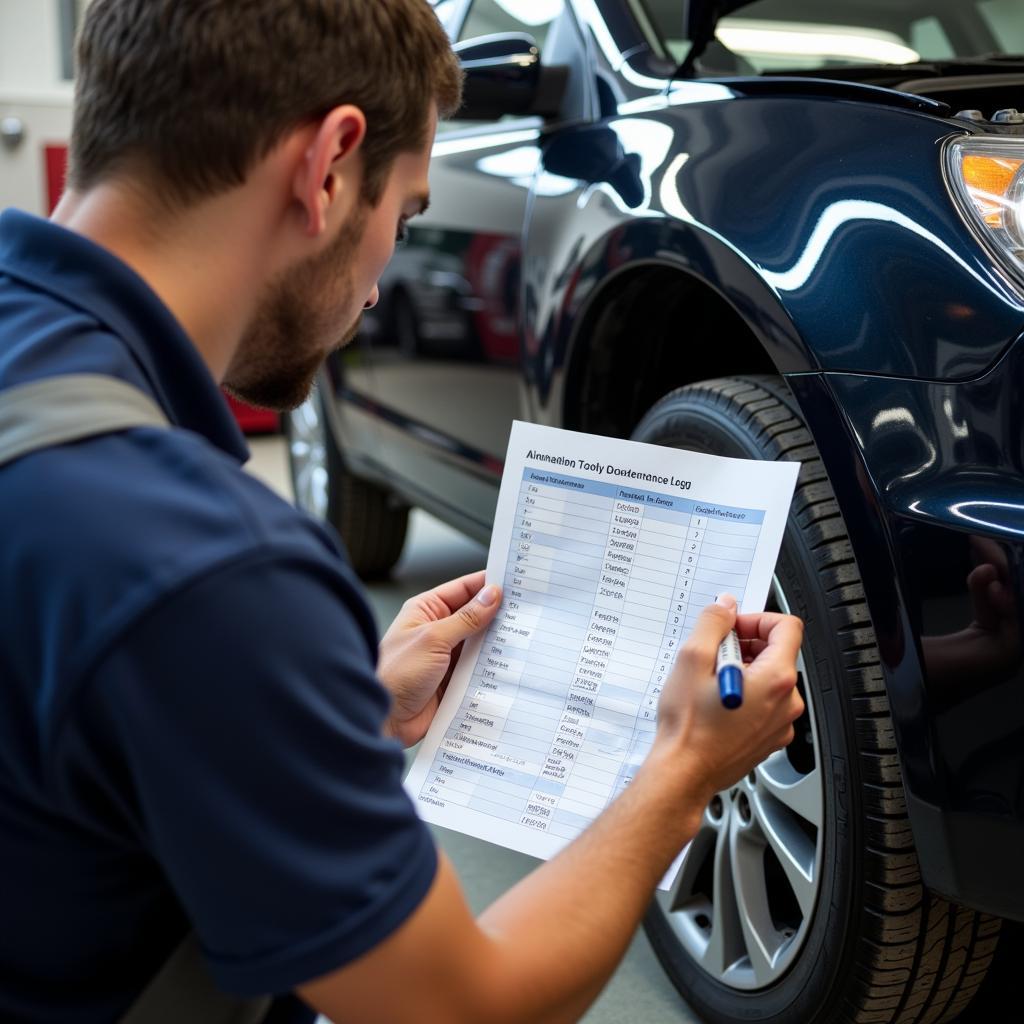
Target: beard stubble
296	326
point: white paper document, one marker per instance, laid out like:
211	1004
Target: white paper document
607	551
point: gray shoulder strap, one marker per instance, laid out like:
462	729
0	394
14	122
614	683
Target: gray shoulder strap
59	410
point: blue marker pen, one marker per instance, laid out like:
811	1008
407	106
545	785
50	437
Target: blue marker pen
729	668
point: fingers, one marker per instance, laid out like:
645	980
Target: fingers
784	738
473	616
796	705
991	599
987	550
982	581
757	625
1002	599
710	630
790	710
457	592
780	635
751	649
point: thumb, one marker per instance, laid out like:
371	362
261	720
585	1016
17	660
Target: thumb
710	630
472	617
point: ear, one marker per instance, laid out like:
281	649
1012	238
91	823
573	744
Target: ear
330	171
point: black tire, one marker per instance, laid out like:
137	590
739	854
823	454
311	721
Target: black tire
372	523
878	947
1001	987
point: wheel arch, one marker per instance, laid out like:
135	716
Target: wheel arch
622	360
626	351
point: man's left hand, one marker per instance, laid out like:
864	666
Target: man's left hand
419	651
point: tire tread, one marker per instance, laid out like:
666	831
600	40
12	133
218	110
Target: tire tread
921	958
372	525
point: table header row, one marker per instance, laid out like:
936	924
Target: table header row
649	499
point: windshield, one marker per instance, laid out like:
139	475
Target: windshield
808	35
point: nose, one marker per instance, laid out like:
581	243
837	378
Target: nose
373	299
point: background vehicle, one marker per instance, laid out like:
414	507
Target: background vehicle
805	242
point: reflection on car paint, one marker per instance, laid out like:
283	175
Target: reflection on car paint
848	268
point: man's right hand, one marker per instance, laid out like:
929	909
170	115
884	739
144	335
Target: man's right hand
718	746
541	953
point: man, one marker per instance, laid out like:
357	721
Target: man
192	735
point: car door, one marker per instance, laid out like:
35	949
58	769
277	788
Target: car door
442	348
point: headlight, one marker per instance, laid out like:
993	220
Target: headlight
987	179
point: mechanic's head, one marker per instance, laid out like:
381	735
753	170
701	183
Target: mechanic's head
330	104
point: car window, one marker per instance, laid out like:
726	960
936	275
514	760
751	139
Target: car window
775	45
446	11
534	17
805	35
1005	19
929	39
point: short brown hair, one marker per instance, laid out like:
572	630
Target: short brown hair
195	92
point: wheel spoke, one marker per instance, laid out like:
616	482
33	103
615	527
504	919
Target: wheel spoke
760	936
698	850
747	932
725	946
800	793
792	846
309	459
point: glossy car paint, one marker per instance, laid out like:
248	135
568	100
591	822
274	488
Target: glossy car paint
929	480
919	298
817	210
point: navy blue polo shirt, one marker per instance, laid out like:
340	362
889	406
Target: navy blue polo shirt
190	724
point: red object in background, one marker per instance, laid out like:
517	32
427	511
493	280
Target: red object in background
252	421
56	158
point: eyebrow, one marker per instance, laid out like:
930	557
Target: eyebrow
424	201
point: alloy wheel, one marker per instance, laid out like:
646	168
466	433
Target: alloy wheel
307	446
745	893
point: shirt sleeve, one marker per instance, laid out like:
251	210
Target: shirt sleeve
245	718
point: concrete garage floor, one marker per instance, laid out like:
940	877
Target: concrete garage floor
434	553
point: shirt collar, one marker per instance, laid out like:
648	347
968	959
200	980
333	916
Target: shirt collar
82	274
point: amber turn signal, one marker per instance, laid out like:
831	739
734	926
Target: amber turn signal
988	180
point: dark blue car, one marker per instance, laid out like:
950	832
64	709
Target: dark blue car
786	229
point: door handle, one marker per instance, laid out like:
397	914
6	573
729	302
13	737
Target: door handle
12	131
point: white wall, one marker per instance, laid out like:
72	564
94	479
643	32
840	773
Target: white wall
32	90
30	57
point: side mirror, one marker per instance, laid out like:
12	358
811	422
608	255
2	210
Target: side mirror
504	75
701	16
